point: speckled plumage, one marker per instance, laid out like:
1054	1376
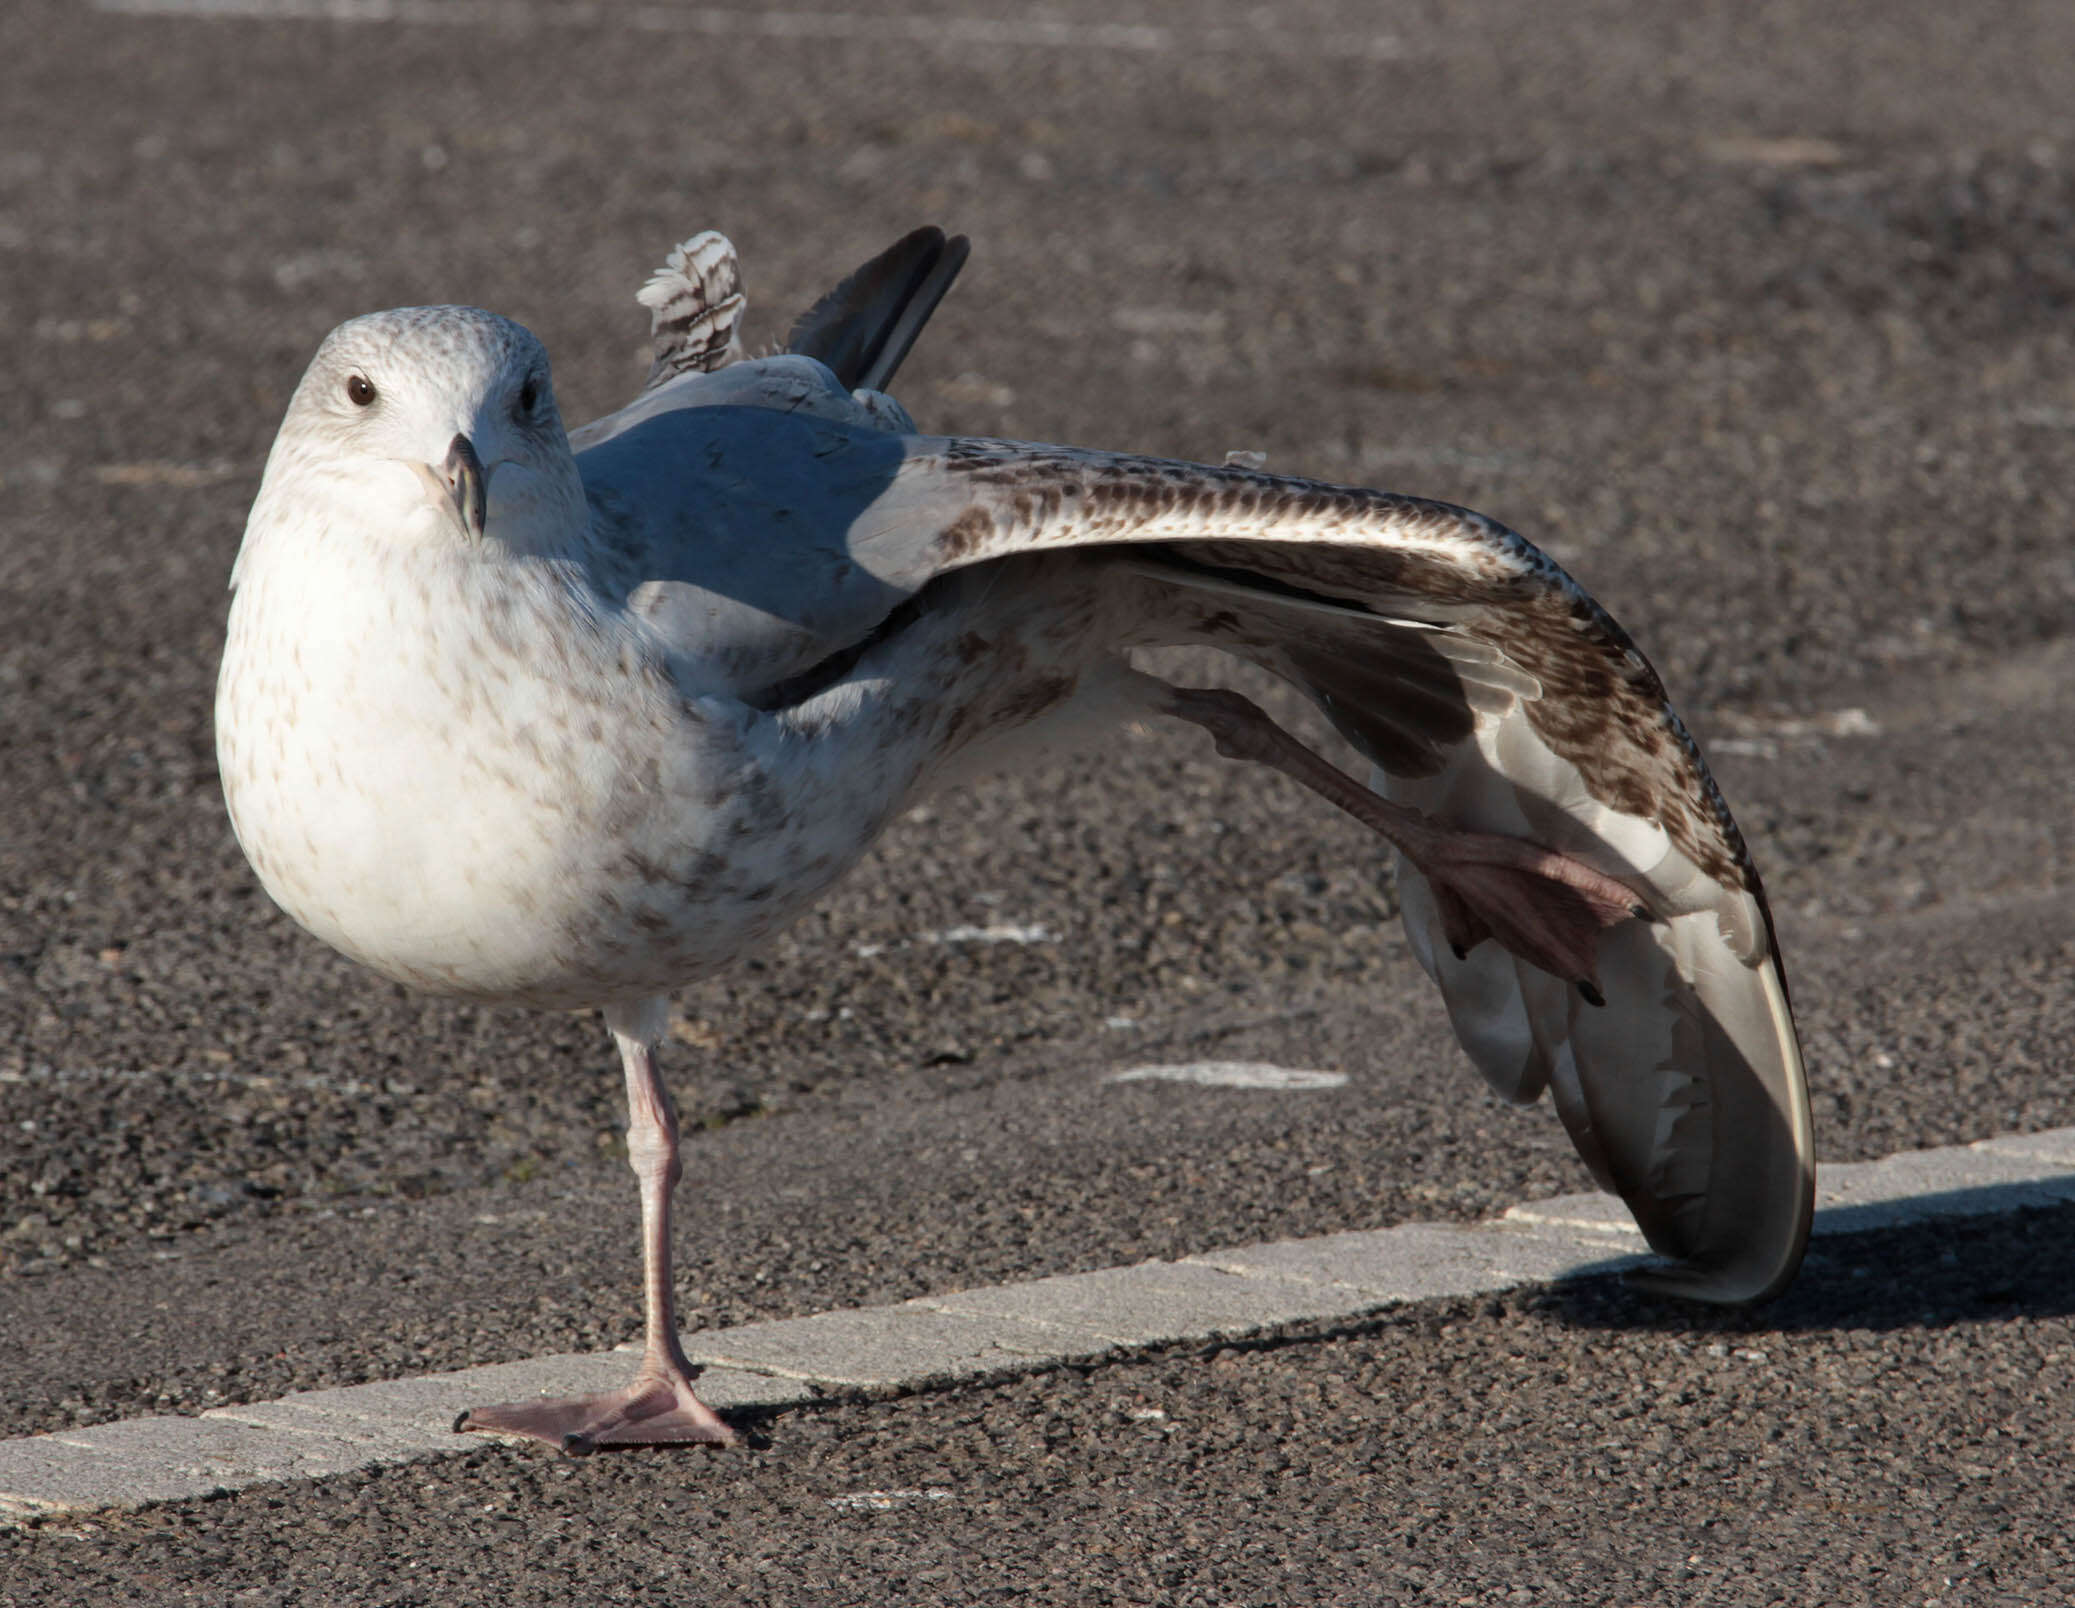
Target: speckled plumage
679	678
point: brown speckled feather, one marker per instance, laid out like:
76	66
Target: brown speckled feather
1491	691
1487	687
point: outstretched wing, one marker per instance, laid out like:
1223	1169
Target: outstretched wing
1489	689
773	527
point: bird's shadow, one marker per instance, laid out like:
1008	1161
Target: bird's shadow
756	1425
2013	1259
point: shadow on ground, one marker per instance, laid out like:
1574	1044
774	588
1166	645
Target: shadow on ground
2018	1263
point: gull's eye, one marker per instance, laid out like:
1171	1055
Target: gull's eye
360	390
529	395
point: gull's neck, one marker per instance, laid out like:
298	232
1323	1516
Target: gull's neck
382	514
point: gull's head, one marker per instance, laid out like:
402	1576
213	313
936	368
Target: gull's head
430	425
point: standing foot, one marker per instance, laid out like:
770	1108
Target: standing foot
658	1408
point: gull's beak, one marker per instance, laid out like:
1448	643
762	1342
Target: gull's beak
466	482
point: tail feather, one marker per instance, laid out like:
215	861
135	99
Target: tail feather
695	304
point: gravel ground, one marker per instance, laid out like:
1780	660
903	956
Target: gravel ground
1580	1447
1758	321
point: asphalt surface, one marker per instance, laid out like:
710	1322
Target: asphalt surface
1760	322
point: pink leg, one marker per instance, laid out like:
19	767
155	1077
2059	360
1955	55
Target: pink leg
1547	908
659	1406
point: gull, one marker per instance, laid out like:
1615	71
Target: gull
570	719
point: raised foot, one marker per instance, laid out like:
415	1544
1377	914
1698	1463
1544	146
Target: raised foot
1547	908
653	1411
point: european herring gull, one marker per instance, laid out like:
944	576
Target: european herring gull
570	720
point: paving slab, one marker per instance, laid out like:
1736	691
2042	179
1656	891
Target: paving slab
41	1475
979	1335
381	1438
440	1398
205	1445
1593	1213
1419	1261
167	1458
1155	1303
727	1389
1917	1186
909	1344
2055	1145
406	1417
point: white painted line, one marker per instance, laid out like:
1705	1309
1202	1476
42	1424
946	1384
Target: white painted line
1146	38
1153	1304
43	1072
1762	739
1375	459
1231	1075
889	1347
971	1336
164	472
1919	1186
885	1501
999	932
2056	1144
1419	1262
1594	1214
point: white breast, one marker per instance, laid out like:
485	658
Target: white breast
452	772
349	736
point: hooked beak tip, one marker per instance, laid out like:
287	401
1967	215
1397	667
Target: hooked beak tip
467	484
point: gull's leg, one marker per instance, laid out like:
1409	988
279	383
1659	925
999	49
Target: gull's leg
659	1406
1545	907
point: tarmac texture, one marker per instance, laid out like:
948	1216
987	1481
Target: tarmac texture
1757	319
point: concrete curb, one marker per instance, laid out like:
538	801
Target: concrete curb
972	1336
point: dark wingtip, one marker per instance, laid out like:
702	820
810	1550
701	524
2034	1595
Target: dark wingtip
866	326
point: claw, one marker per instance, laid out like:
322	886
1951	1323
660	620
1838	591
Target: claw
1546	908
652	1412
